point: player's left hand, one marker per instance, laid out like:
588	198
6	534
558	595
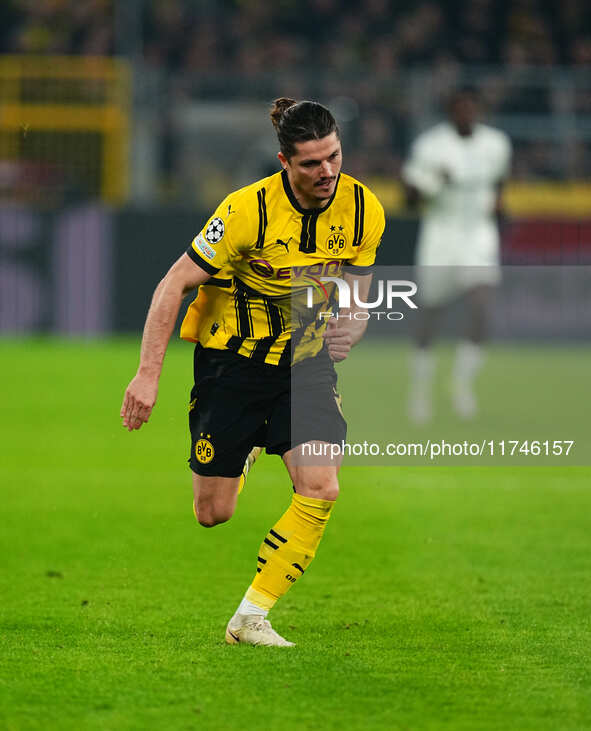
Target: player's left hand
338	340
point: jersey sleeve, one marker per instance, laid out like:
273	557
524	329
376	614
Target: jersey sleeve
373	230
225	235
421	169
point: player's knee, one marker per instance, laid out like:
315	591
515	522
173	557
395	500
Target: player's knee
205	520
210	515
209	520
320	488
329	492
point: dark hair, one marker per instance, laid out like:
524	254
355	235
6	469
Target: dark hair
299	122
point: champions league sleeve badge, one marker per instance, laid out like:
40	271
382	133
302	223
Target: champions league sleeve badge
215	231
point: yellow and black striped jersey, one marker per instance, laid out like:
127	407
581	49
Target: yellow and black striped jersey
260	246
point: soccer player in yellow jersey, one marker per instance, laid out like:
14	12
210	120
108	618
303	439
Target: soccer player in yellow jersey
263	243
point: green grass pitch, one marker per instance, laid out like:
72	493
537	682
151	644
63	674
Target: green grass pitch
441	597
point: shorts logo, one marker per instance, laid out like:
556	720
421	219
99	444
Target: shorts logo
215	231
204	450
200	244
335	243
338	399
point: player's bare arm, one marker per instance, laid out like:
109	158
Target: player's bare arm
412	195
499	209
140	395
343	333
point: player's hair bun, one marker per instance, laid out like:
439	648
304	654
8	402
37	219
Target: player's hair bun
280	106
300	121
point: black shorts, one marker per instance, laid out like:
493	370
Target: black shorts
237	404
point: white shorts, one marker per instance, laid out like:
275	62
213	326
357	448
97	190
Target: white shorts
438	285
452	261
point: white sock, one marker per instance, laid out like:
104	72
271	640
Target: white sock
469	359
423	363
246	607
422	368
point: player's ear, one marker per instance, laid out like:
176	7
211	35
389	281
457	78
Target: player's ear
283	160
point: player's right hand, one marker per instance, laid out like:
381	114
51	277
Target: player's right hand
138	402
339	340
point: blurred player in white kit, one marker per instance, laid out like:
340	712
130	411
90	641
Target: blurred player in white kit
456	170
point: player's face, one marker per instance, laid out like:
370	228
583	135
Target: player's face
313	170
463	113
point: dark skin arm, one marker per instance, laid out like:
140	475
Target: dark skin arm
412	196
499	210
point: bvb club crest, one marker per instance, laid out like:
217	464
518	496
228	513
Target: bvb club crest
204	450
335	243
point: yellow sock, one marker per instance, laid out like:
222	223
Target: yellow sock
288	549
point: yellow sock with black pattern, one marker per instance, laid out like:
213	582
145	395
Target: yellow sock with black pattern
288	549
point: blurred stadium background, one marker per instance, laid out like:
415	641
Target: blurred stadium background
123	123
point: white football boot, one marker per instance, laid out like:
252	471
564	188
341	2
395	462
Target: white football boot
254	629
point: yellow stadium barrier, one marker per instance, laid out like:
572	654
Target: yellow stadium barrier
71	113
541	200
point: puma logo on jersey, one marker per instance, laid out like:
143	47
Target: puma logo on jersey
284	243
